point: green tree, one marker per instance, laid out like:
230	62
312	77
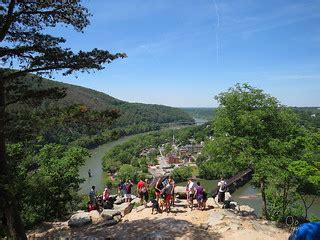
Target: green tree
251	129
181	174
47	192
24	42
127	171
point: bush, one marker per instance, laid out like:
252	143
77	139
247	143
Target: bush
182	173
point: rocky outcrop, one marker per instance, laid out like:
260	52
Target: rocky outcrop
180	192
124	208
79	219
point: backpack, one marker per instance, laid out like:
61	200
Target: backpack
223	186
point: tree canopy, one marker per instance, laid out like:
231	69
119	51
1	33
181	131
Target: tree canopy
27	47
252	129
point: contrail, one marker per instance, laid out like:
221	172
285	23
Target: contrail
217	29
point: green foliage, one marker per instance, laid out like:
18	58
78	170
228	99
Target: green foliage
127	171
181	174
252	130
49	181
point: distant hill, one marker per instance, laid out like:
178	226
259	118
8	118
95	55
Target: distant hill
131	113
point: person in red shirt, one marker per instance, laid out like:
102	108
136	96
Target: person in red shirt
142	190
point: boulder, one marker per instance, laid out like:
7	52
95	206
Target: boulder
79	219
117	218
108	214
136	201
245	210
212	203
124	208
113	197
119	200
180	192
95	216
108	205
108	223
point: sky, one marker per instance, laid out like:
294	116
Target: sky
182	53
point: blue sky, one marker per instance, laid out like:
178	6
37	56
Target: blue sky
184	52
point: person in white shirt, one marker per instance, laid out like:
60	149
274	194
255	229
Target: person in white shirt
190	192
222	189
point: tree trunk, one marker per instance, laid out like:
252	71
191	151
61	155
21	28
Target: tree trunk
14	222
264	199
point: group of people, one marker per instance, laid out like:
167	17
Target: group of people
196	191
163	190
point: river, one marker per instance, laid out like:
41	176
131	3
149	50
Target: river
94	163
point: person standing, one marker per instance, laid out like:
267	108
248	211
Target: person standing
127	190
167	191
191	191
222	189
89	173
172	192
120	188
199	195
93	196
142	192
157	189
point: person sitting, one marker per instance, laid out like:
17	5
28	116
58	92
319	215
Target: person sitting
105	194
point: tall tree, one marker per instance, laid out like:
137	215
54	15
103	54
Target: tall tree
26	46
252	129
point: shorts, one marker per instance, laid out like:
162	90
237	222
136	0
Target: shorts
127	195
144	195
158	194
168	198
200	198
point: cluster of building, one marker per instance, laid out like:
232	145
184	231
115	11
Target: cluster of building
184	154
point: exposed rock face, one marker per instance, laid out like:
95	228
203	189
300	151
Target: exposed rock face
180	192
119	200
95	216
124	208
135	201
107	213
212	203
79	219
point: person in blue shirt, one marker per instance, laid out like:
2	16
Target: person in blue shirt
306	231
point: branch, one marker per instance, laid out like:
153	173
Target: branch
8	22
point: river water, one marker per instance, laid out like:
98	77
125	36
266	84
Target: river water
94	163
246	195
